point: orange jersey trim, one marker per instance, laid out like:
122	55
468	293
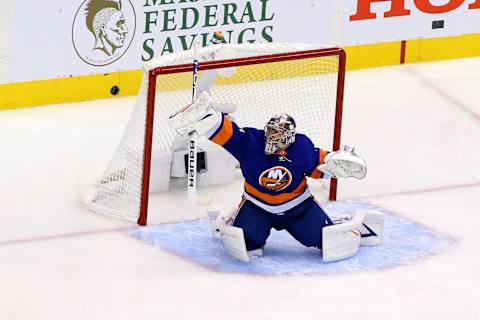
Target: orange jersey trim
225	133
323	154
316	174
276	199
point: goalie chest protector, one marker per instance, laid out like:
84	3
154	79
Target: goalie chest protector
276	182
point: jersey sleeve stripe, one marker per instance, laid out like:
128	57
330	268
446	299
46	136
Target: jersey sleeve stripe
276	199
224	133
323	154
317	174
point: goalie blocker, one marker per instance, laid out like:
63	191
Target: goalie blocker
198	116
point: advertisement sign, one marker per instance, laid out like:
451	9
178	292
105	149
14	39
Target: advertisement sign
57	38
371	21
79	37
102	31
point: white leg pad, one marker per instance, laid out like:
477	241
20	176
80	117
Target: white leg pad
372	227
213	214
219	217
232	237
234	242
341	241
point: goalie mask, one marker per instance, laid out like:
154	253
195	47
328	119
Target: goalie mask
279	133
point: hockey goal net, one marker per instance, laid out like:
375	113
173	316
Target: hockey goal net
305	81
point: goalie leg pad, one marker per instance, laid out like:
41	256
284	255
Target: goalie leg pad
372	227
213	214
220	217
234	242
341	241
232	237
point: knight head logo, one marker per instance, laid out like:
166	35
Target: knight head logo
103	30
275	179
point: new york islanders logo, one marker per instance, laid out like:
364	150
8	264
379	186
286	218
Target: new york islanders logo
275	179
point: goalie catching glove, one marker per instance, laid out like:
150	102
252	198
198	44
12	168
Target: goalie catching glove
344	164
198	116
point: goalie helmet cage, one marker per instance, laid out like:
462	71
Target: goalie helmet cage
306	81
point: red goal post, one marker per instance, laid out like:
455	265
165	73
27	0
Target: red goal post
315	76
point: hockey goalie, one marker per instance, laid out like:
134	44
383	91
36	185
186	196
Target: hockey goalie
275	163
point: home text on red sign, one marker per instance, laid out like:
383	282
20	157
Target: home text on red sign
397	8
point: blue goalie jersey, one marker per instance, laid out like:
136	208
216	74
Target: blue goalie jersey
276	183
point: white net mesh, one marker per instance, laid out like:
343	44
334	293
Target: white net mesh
304	88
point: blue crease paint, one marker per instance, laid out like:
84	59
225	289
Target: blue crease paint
404	243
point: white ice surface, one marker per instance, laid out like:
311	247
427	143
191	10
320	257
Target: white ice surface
418	126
